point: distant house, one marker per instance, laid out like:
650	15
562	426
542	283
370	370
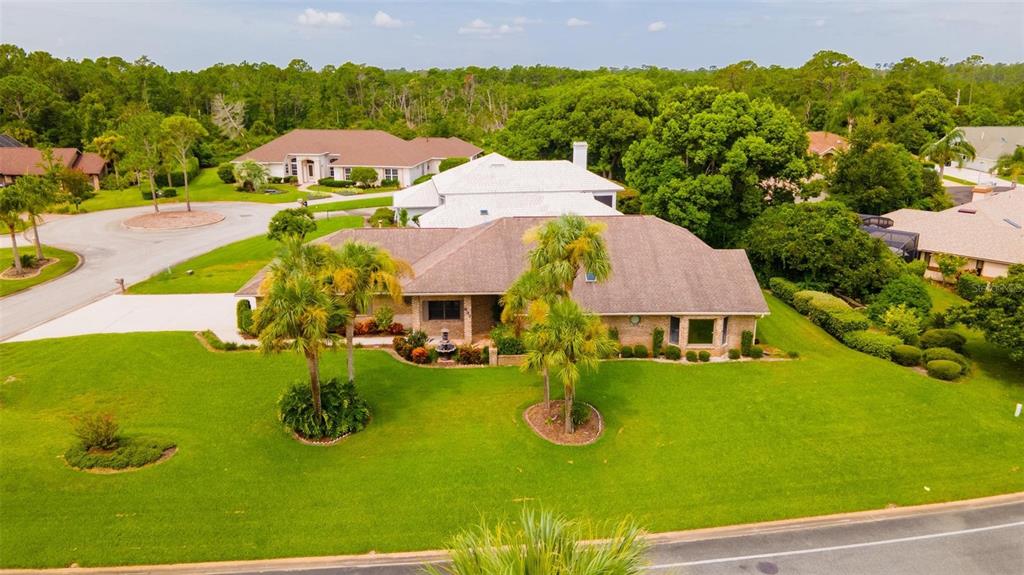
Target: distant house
9	142
22	161
662	277
991	142
988	231
494	187
311	155
826	144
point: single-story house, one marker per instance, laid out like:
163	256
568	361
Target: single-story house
663	276
24	161
990	143
826	144
988	231
494	186
311	155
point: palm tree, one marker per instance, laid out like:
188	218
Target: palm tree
296	306
578	340
949	148
545	544
854	104
1011	165
540	348
360	271
38	193
12	204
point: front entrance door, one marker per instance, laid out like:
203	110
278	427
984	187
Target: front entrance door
309	169
673	330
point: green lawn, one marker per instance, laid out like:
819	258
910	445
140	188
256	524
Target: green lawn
942	297
353	204
960	181
686	446
350	191
207	187
227	268
67	262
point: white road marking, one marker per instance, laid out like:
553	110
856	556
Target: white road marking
836	547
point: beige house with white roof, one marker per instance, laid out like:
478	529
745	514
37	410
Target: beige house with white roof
494	186
988	231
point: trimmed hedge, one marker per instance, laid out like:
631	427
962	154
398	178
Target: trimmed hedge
691	356
783	289
944	369
640	350
944	353
673	352
746	342
734	353
970	286
943	338
332	183
626	352
829	312
906	355
756	352
704	355
872	343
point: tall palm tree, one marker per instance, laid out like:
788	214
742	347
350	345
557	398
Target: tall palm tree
359	271
854	104
540	349
578	342
12	204
38	194
953	147
545	544
296	306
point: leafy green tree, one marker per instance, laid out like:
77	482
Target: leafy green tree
545	544
853	106
953	147
822	244
364	176
932	109
449	163
1011	165
906	290
251	176
75	187
291	222
12	204
38	194
882	178
295	308
999	313
180	134
903	322
110	146
950	266
143	148
359	271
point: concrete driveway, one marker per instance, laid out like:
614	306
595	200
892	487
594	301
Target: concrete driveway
112	251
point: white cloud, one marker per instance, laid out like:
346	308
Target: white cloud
656	26
577	22
523	21
384	20
311	17
819	22
483	29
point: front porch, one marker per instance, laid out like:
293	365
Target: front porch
468	318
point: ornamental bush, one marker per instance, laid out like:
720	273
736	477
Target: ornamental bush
640	350
734	353
97	431
746	341
872	343
580	413
903	322
944	369
363	176
342	410
904	289
243	316
839	323
933	353
704	355
943	338
420	355
469	355
626	352
382	218
970	286
756	352
384	317
691	356
657	339
783	289
226	173
132	452
421	179
673	352
906	355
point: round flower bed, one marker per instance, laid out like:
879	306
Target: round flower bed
550	424
131	453
342	412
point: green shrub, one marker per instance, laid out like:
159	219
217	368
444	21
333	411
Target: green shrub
422	179
449	163
468	354
916	268
945	353
872	343
903	322
132	452
226	173
943	338
904	289
28	260
389	183
783	289
626	351
944	369
734	353
704	355
342	410
243	316
640	350
673	352
691	356
114	182
906	355
806	300
580	413
384	317
485	355
363	176
97	431
793	354
216	343
613	332
332	183
657	339
506	342
382	218
839	323
756	352
417	339
746	341
970	286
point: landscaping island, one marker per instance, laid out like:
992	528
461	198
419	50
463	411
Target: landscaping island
57	263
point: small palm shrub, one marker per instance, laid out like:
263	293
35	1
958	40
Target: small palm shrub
28	260
943	338
342	410
691	356
580	413
906	355
640	350
734	353
756	352
673	352
944	369
97	431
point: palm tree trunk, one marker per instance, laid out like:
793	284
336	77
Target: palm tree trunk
547	391
14	249
568	409
35	232
350	331
184	173
313	362
942	171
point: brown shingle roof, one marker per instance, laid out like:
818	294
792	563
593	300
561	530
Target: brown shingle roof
657	267
374	148
25	161
821	143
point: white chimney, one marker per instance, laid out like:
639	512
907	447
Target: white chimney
579	154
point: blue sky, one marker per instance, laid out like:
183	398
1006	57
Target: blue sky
579	34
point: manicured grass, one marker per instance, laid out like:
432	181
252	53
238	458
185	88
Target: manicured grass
67	262
942	297
349	191
207	187
353	204
685	446
227	268
960	181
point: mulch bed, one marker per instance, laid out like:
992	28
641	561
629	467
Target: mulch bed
11	274
551	426
172	220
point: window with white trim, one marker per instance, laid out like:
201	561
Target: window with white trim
293	167
390	173
348	173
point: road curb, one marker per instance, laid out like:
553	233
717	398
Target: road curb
414	558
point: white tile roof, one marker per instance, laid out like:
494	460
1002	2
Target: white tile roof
469	210
986	234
